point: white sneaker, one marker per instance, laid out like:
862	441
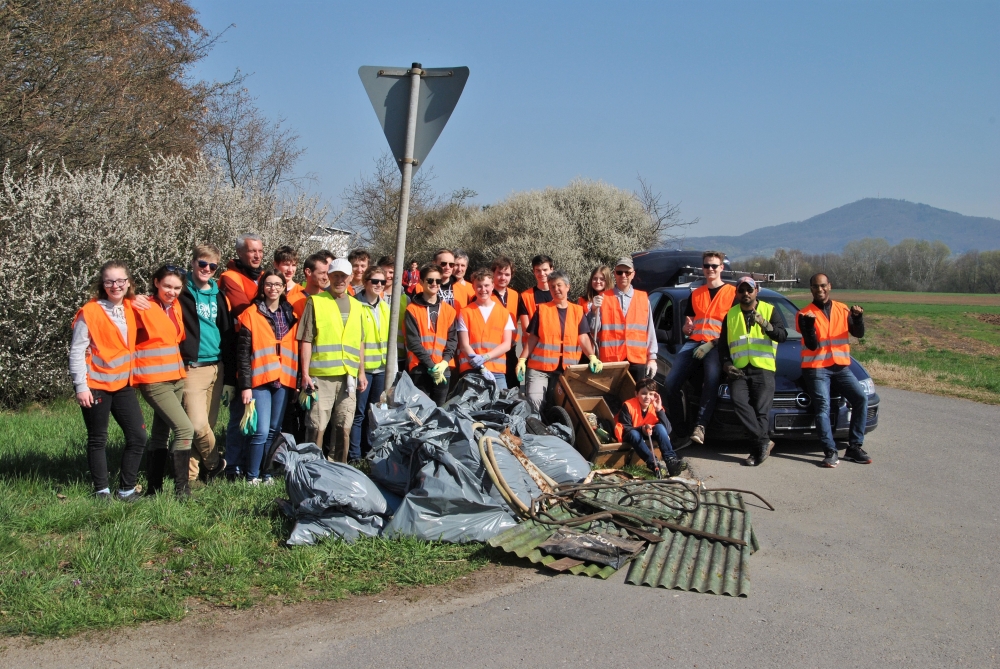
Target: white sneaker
253	482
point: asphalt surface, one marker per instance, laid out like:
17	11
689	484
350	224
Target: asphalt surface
889	564
892	564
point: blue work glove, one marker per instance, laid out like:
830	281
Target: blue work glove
487	374
478	361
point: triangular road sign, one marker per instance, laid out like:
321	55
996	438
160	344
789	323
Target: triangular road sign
389	91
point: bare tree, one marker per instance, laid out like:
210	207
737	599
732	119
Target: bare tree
255	151
664	216
94	81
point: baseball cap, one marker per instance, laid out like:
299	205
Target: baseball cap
747	280
626	261
341	265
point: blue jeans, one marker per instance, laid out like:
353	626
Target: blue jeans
270	404
359	429
637	440
818	383
235	441
684	363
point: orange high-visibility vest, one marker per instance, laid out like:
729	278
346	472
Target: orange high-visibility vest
624	336
297	297
511	308
831	335
157	354
109	358
464	294
551	345
249	285
433	341
484	336
709	313
638	420
528	297
272	359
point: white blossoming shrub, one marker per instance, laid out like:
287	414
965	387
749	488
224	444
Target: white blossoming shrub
57	228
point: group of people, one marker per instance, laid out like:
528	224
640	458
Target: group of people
311	357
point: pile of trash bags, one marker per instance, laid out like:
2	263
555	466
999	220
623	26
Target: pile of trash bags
427	475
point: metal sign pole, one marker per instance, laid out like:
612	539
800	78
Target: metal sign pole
404	212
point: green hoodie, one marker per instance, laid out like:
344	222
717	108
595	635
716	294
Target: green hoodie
206	303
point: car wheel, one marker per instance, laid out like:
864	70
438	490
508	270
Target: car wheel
557	414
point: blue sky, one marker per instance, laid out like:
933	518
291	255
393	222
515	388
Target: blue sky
747	114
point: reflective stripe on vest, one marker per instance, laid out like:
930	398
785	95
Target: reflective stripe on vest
484	335
709	312
337	348
753	347
831	336
376	343
157	352
433	341
272	360
624	336
553	347
634	408
109	358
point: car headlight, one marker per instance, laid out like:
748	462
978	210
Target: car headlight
724	391
868	386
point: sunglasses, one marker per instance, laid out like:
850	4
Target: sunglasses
745	288
432	282
377	282
623	272
174	268
709	265
211	265
446	264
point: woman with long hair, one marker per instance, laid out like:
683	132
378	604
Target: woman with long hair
100	363
593	298
158	371
267	368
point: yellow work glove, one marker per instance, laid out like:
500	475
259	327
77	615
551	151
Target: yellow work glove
307	396
437	371
596	365
703	350
522	364
248	425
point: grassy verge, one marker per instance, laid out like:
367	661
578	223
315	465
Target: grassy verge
70	563
945	349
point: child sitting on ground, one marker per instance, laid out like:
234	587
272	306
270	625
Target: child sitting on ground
642	417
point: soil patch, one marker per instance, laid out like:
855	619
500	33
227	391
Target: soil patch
992	319
854	297
895	331
264	635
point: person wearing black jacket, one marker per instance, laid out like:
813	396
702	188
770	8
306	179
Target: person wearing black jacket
426	305
208	352
751	379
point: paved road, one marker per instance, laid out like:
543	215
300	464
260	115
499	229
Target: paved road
887	565
890	564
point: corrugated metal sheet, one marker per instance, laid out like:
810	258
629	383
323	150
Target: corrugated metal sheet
679	562
683	562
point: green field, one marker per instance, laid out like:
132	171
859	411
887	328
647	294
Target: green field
948	349
70	563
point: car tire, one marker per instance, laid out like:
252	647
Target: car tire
557	414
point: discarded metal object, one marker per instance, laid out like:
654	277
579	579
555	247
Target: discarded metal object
592	547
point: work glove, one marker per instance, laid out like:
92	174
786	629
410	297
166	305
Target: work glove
437	372
703	350
478	361
522	365
596	365
248	425
732	372
762	322
228	392
487	374
651	369
307	396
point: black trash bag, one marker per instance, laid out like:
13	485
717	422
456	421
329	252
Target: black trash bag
557	459
390	423
447	503
397	468
326	497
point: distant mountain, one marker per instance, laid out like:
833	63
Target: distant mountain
895	220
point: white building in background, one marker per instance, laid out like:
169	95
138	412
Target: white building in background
336	240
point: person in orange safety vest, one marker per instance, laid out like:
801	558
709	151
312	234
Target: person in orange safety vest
623	326
704	316
641	418
485	332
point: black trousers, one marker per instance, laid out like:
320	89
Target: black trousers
752	397
124	406
425	382
511	372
